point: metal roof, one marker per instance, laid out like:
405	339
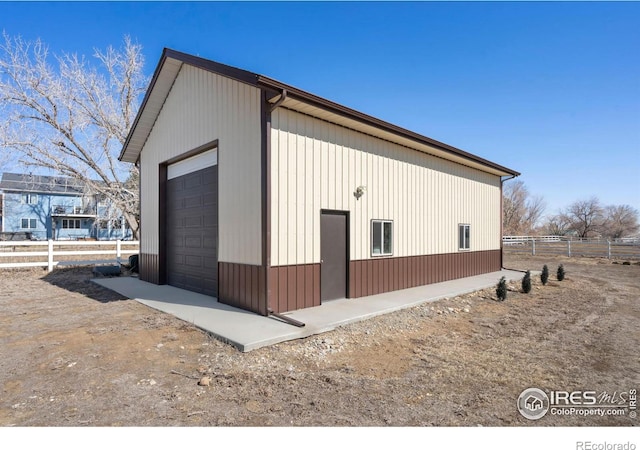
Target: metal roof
296	99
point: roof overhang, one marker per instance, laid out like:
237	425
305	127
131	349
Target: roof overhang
158	90
163	78
297	100
323	109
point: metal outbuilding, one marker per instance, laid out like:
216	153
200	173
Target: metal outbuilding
273	199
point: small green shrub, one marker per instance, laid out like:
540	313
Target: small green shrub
544	276
526	282
501	289
560	274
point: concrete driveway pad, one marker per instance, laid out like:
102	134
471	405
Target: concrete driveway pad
248	331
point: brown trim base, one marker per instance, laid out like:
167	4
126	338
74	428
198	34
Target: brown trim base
298	286
375	276
294	287
149	268
242	286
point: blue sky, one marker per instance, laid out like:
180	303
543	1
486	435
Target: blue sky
549	89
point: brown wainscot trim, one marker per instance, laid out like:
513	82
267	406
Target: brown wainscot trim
375	276
294	287
149	268
298	286
242	286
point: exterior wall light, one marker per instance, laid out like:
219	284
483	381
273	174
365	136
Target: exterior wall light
360	190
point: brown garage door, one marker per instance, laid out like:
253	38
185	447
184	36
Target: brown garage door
192	231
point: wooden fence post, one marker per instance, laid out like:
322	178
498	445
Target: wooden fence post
50	255
118	250
569	247
608	249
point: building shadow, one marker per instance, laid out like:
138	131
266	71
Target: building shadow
78	280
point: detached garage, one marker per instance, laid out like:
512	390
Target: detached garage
273	199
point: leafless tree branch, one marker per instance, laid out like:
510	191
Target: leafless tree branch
620	221
71	117
521	211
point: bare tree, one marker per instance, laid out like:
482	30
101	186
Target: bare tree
557	225
73	118
5	157
620	221
585	217
521	211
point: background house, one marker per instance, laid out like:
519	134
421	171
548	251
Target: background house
274	199
45	207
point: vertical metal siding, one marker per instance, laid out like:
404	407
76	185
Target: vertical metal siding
318	165
201	107
242	285
375	276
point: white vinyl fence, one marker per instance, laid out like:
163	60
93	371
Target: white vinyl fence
63	253
561	245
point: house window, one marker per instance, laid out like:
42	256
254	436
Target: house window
464	231
30	199
70	223
381	237
27	224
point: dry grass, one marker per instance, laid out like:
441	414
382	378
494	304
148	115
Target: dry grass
66	339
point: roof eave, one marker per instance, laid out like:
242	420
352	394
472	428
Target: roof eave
336	108
142	108
131	154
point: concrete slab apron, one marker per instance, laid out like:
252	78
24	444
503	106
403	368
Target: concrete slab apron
248	331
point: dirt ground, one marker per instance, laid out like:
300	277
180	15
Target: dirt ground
75	354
